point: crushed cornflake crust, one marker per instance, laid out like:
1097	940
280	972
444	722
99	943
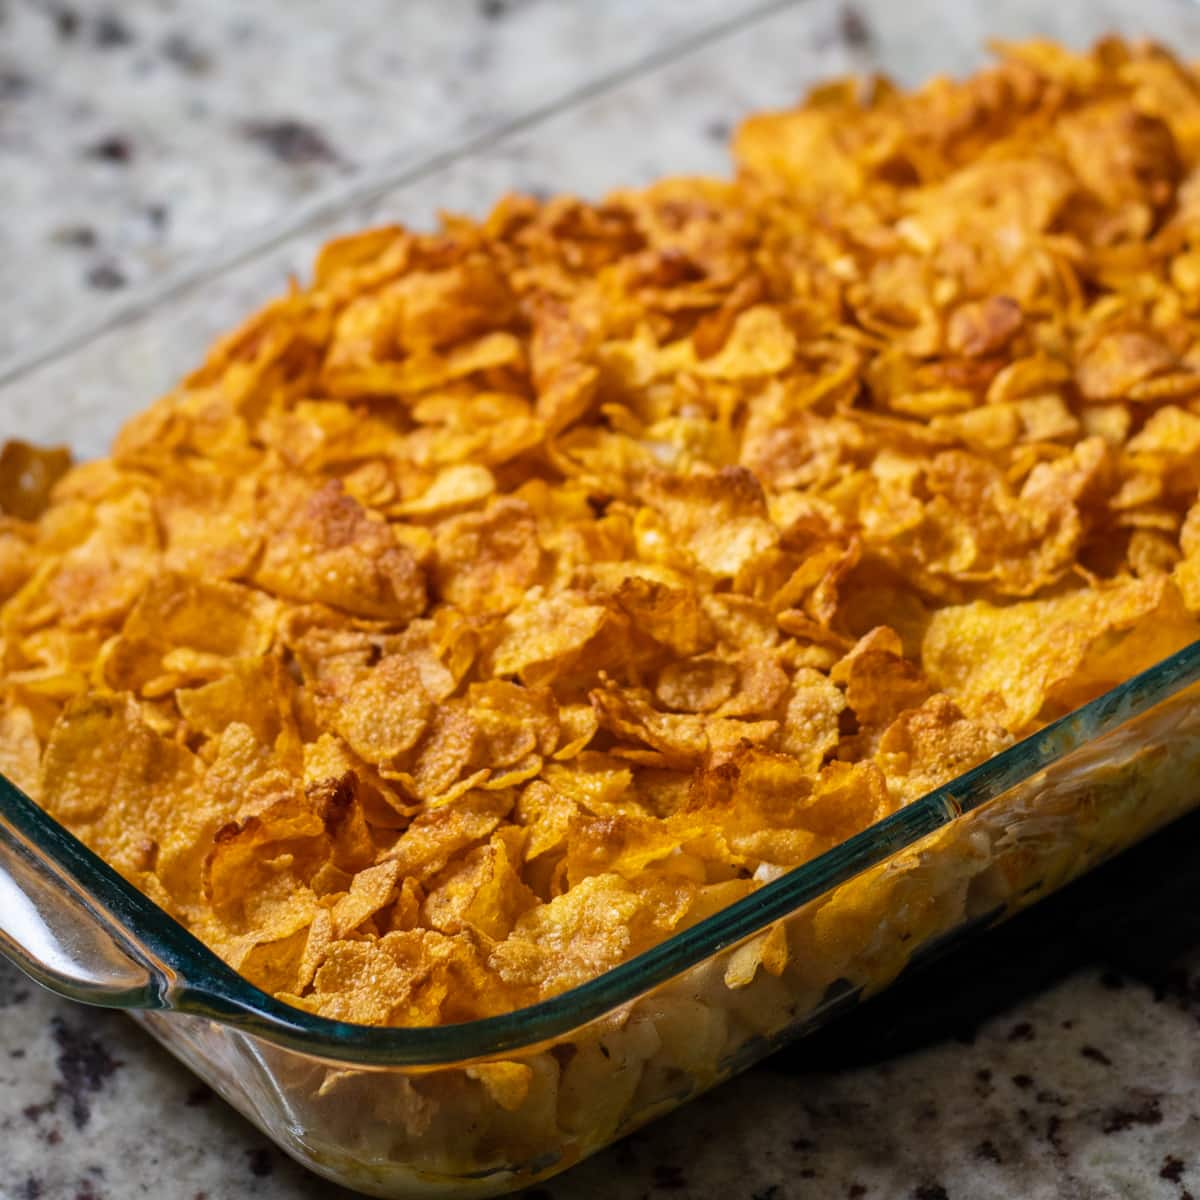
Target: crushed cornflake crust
514	596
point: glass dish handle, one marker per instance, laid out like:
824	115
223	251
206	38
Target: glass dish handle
63	939
75	926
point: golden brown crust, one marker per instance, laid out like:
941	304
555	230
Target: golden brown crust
515	595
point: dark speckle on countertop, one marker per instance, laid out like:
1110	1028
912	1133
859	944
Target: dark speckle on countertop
105	277
1142	1110
260	1161
187	54
291	141
1172	1169
81	237
113	148
84	1066
853	26
66	20
109	30
14	83
1054	1134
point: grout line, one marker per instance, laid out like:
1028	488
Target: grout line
207	265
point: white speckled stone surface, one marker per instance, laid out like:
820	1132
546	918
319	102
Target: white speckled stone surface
163	166
136	134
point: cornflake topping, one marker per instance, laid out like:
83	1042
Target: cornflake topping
516	595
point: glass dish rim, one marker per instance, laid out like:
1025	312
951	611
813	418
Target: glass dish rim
193	980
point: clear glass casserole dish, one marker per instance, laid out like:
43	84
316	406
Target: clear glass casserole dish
482	1108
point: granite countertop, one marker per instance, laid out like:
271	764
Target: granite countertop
164	164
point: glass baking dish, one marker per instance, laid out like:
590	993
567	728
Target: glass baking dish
482	1108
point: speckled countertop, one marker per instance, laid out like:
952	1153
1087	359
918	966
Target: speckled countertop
164	164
